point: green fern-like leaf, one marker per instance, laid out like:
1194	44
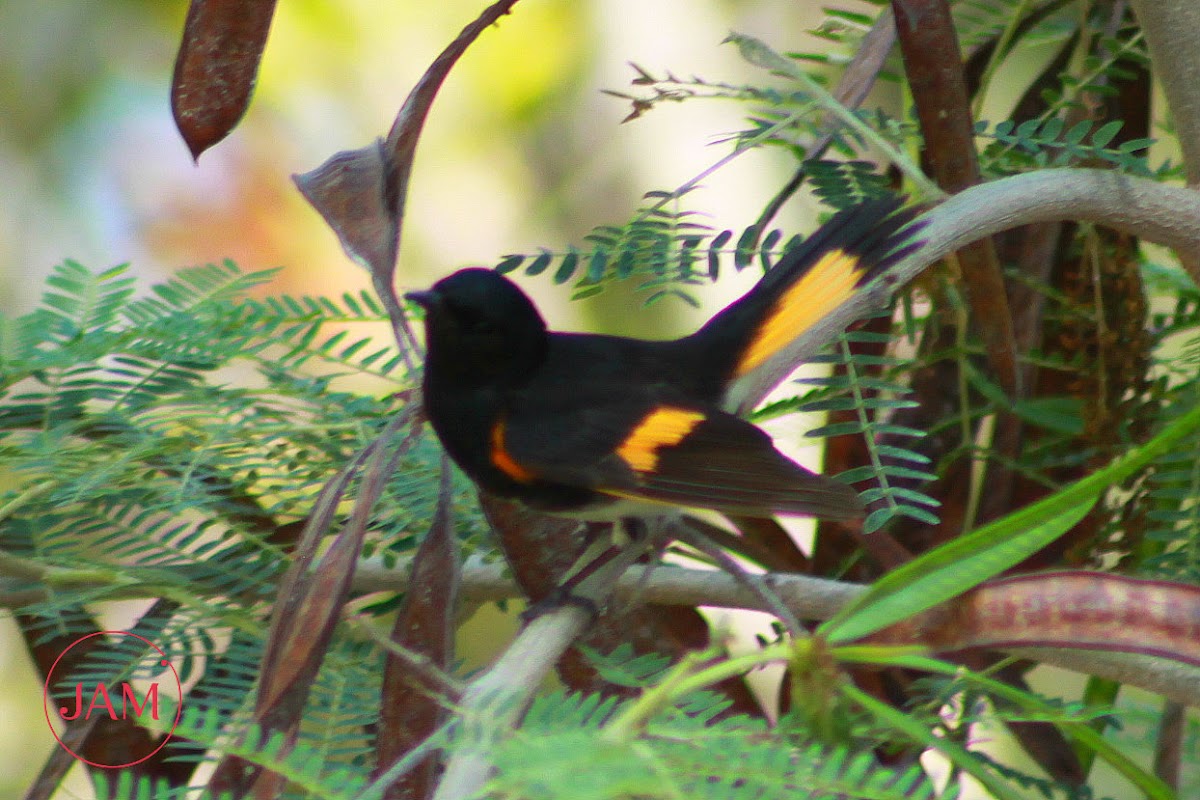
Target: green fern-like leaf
686	750
894	468
1044	143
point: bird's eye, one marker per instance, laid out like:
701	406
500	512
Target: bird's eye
474	321
482	325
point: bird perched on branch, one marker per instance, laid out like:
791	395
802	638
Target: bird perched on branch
605	427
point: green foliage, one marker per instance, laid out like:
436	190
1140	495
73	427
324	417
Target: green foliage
689	749
670	252
662	247
158	446
867	387
1171	547
1048	143
841	184
306	767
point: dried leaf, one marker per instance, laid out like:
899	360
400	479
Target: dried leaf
350	191
309	608
411	709
361	193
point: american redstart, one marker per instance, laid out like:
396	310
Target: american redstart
604	427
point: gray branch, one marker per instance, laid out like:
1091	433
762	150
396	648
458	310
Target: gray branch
1172	29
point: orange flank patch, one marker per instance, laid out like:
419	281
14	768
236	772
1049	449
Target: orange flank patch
663	427
503	461
828	284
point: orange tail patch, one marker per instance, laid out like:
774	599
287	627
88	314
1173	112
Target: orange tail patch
824	287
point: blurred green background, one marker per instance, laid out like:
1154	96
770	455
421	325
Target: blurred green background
522	150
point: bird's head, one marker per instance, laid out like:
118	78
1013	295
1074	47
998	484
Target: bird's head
478	326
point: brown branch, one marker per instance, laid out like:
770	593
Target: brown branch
855	84
934	66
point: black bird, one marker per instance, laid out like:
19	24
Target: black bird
604	427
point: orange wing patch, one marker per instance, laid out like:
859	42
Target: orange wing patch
661	428
503	461
824	287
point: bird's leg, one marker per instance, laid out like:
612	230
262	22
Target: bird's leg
654	532
601	549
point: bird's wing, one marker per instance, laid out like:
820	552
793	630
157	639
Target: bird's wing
675	454
785	318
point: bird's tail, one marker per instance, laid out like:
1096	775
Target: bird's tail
782	316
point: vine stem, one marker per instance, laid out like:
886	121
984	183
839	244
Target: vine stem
868	428
686	677
758	53
1166	215
741	149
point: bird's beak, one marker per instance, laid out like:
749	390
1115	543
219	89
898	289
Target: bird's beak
426	299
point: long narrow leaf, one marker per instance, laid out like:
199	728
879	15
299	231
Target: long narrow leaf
948	571
920	732
956	566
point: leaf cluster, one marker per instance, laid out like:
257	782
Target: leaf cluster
170	446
